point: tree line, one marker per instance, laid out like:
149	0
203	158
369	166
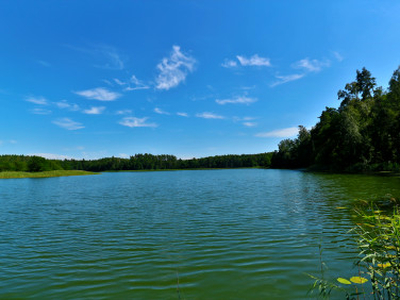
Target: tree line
137	162
362	134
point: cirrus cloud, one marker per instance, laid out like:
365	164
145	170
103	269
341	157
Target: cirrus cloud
237	100
136	122
174	69
94	110
209	115
311	65
280	133
101	94
255	60
68	124
37	100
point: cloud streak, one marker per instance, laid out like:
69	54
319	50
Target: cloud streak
209	115
253	61
237	100
133	122
41	111
174	69
37	100
101	94
287	78
280	133
68	124
132	84
107	54
160	111
312	65
95	110
63	104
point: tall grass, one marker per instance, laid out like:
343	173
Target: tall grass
56	173
378	238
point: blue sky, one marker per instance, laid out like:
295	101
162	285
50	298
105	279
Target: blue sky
91	79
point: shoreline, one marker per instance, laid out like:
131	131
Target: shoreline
45	174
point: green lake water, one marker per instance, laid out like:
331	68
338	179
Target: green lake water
209	234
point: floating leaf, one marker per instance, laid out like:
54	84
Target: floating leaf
384	265
341	207
358	279
343	280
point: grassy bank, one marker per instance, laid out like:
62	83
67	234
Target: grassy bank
56	173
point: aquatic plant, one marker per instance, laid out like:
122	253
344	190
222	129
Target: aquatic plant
378	239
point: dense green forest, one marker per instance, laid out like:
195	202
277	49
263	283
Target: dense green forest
362	134
136	162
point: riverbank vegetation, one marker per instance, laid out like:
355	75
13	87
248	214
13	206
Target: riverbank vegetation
45	174
137	162
362	134
377	233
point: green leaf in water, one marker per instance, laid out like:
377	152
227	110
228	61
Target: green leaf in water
343	280
358	279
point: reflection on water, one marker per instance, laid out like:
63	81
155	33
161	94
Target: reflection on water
221	234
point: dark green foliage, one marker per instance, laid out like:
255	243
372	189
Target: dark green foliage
362	134
37	164
137	162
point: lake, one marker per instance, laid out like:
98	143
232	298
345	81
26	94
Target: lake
206	234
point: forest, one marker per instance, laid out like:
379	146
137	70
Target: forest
362	134
136	162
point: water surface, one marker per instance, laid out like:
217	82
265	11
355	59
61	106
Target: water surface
213	234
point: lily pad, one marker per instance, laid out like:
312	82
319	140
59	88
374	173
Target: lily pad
343	280
358	279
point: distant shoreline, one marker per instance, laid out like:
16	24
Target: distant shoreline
45	174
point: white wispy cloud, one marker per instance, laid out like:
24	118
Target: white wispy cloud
160	111
123	112
311	65
255	60
114	59
41	111
68	124
38	100
287	78
174	69
107	55
209	115
338	56
95	110
280	133
228	63
132	84
63	104
182	114
136	84
249	124
237	100
119	82
101	94
136	122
